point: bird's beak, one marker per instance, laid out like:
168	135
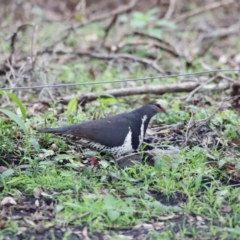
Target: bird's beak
163	110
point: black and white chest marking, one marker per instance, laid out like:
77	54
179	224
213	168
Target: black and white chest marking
141	135
126	147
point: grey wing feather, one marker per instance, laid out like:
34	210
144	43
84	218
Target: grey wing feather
109	131
102	131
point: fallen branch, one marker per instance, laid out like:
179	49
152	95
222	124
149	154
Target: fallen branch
146	89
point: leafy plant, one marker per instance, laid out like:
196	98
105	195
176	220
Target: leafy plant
72	105
14	117
18	103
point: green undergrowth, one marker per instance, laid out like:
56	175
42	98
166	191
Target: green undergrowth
187	196
109	197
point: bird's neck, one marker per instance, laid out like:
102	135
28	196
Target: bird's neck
145	116
142	111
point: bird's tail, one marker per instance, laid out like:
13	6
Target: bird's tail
60	130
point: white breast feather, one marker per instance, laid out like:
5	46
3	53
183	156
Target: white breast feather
117	151
141	136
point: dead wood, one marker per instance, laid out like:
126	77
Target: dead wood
146	89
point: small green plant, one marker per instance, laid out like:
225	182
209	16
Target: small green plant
14	117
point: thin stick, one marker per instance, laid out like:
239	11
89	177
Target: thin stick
107	30
188	98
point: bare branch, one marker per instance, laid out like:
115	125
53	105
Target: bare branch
146	89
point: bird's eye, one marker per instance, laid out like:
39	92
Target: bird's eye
160	107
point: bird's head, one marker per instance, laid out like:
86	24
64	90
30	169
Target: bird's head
158	106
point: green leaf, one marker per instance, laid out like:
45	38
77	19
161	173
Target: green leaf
106	101
123	19
59	208
113	214
139	20
104	163
158	166
221	162
7	173
156	32
72	105
198	180
138	23
109	201
19	103
14	117
35	144
166	23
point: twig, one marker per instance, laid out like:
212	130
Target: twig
33	56
137	43
13	40
107	30
134	42
188	98
209	7
61	39
163	127
207	119
170	10
226	77
79	217
168	47
189	126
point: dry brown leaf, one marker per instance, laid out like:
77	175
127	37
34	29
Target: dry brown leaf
37	192
8	200
85	233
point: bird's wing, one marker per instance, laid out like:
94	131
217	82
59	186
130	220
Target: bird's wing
110	131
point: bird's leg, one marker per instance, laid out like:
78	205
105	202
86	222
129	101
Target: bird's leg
93	161
115	160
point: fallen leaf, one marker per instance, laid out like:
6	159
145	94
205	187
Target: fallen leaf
37	192
8	200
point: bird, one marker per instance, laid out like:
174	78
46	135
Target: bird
117	135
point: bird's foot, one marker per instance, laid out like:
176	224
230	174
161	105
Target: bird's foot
93	161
